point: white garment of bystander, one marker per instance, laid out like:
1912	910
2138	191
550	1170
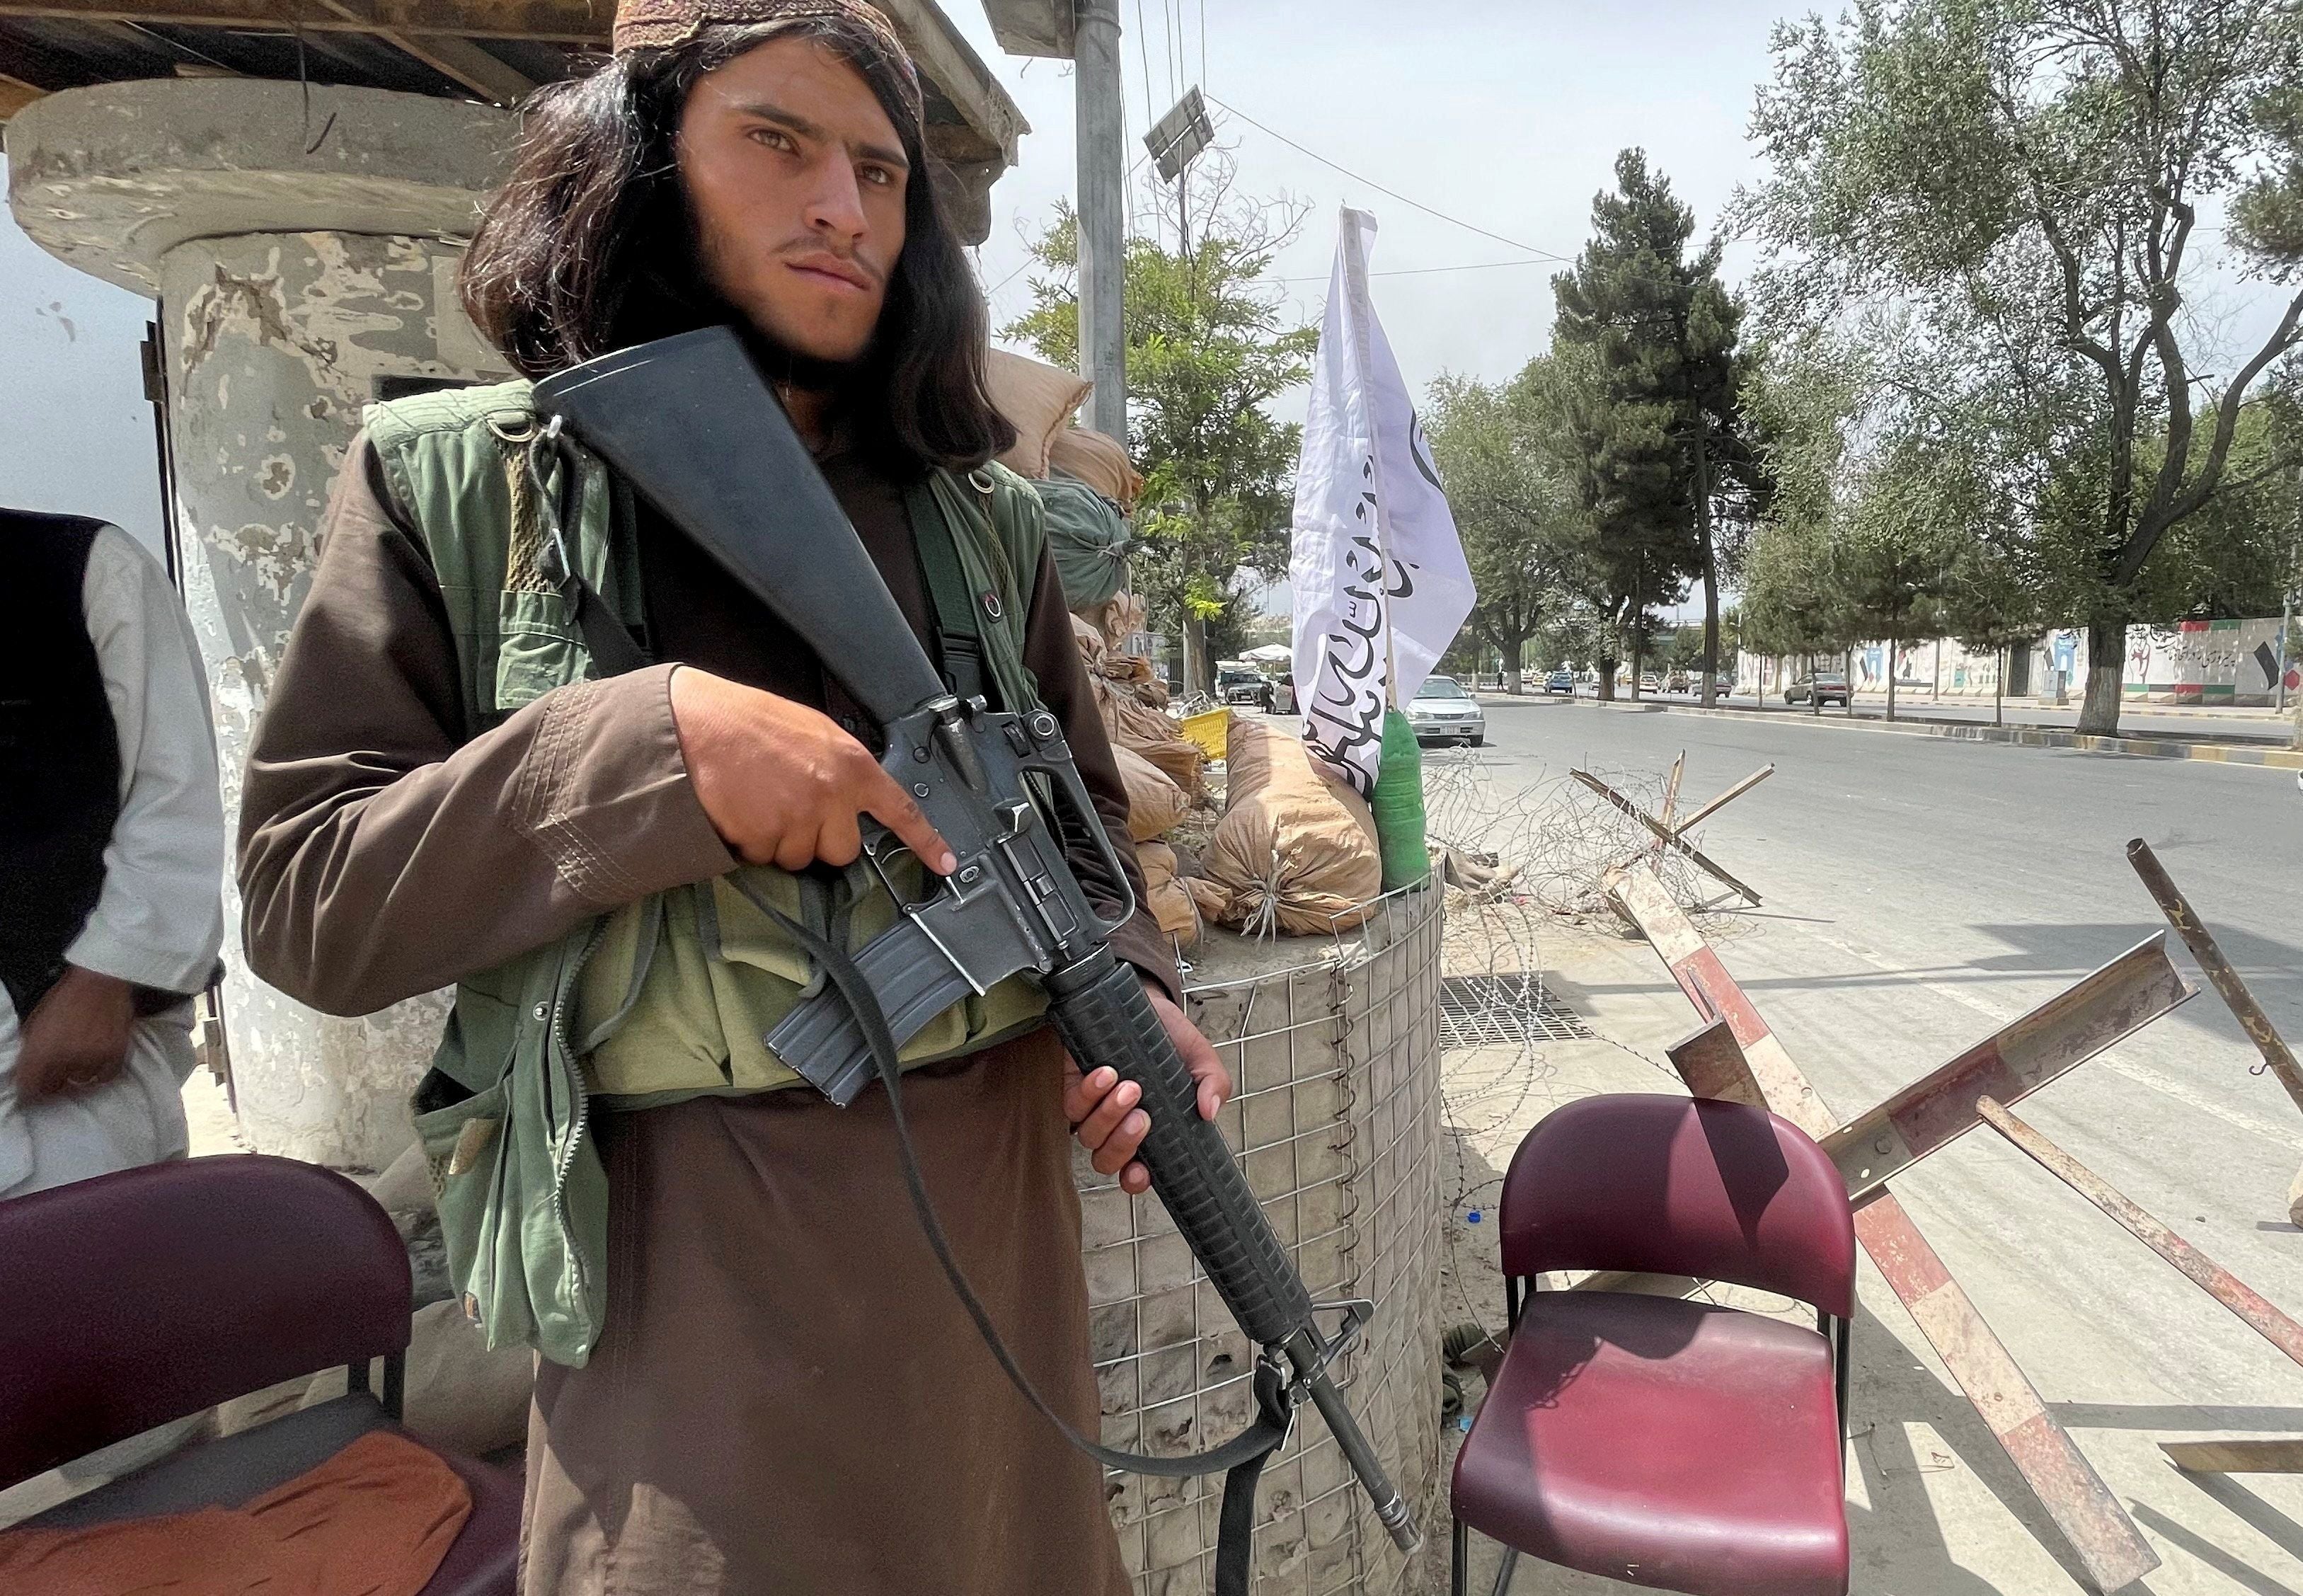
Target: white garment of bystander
159	921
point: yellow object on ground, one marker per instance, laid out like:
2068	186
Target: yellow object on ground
1211	730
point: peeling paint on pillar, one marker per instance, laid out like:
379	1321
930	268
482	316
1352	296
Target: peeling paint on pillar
274	342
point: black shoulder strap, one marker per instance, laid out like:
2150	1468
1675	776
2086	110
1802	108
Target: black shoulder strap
959	644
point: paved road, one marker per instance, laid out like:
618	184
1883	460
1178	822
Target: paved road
2138	721
1920	892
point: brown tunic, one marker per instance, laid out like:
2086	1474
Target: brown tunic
787	1396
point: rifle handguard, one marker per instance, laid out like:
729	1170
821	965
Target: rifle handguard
1100	1009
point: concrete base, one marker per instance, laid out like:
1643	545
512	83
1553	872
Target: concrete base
110	179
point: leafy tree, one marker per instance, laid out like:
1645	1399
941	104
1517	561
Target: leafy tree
1516	507
1661	328
1208	347
2022	181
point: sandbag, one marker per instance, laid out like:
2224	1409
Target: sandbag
1099	462
1087	538
1154	803
1295	848
1116	618
1170	901
1132	724
1037	399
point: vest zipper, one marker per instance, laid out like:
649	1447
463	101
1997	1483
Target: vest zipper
580	1116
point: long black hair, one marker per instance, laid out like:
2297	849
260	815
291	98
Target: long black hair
588	247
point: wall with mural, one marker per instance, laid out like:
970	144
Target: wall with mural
2191	662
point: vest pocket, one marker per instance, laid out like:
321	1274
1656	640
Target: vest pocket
463	1144
466	1139
537	649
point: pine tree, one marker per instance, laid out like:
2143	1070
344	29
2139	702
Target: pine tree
1660	417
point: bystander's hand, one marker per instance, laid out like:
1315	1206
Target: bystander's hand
1103	1108
781	783
76	1038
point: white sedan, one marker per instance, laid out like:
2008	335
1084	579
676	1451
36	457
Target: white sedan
1442	712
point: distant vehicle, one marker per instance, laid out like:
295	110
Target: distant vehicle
1562	680
1824	687
1726	684
1244	687
1676	682
1650	682
1442	712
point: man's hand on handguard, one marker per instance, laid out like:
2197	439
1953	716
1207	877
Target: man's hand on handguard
1101	1107
781	783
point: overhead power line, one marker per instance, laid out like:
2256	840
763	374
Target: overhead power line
1379	188
1475	265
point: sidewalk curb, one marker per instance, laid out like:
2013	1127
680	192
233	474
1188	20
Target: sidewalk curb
2027	737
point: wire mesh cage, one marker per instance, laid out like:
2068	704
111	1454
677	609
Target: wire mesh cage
1335	1061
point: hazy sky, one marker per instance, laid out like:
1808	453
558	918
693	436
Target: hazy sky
1504	114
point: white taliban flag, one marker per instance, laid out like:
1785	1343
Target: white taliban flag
1377	571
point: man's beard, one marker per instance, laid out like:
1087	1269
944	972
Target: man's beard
786	368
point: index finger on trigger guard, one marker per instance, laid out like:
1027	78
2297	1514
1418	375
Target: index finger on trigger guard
895	809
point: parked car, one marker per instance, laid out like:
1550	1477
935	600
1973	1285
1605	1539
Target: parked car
1650	682
1244	687
1562	680
1442	712
1726	684
1824	687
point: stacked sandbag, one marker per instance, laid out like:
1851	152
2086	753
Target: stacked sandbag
1117	619
1128	720
1295	849
1098	460
1168	897
1155	803
1038	400
1126	672
1131	724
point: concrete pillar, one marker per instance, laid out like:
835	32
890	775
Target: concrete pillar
302	257
1100	89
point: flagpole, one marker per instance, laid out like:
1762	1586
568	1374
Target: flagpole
1355	285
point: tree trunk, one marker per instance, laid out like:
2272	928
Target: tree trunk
1710	567
1608	681
1639	662
1199	675
1510	652
1999	692
1891	685
2107	664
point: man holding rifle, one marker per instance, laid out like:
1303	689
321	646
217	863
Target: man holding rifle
527	739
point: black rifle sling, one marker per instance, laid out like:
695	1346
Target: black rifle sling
959	641
1240	1459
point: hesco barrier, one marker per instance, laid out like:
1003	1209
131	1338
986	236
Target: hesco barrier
1333	1047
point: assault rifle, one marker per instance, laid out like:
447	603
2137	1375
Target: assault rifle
691	426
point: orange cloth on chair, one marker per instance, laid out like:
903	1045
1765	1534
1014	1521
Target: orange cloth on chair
374	1520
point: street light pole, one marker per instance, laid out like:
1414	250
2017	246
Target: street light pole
1102	234
2287	593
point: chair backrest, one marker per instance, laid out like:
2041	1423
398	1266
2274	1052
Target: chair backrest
141	1297
1680	1186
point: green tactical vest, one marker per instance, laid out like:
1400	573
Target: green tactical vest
668	998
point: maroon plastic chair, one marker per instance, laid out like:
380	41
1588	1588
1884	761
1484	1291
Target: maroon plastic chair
1671	1444
145	1296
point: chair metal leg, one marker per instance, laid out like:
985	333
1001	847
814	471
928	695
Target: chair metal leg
1504	1575
1845	1358
1459	1570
